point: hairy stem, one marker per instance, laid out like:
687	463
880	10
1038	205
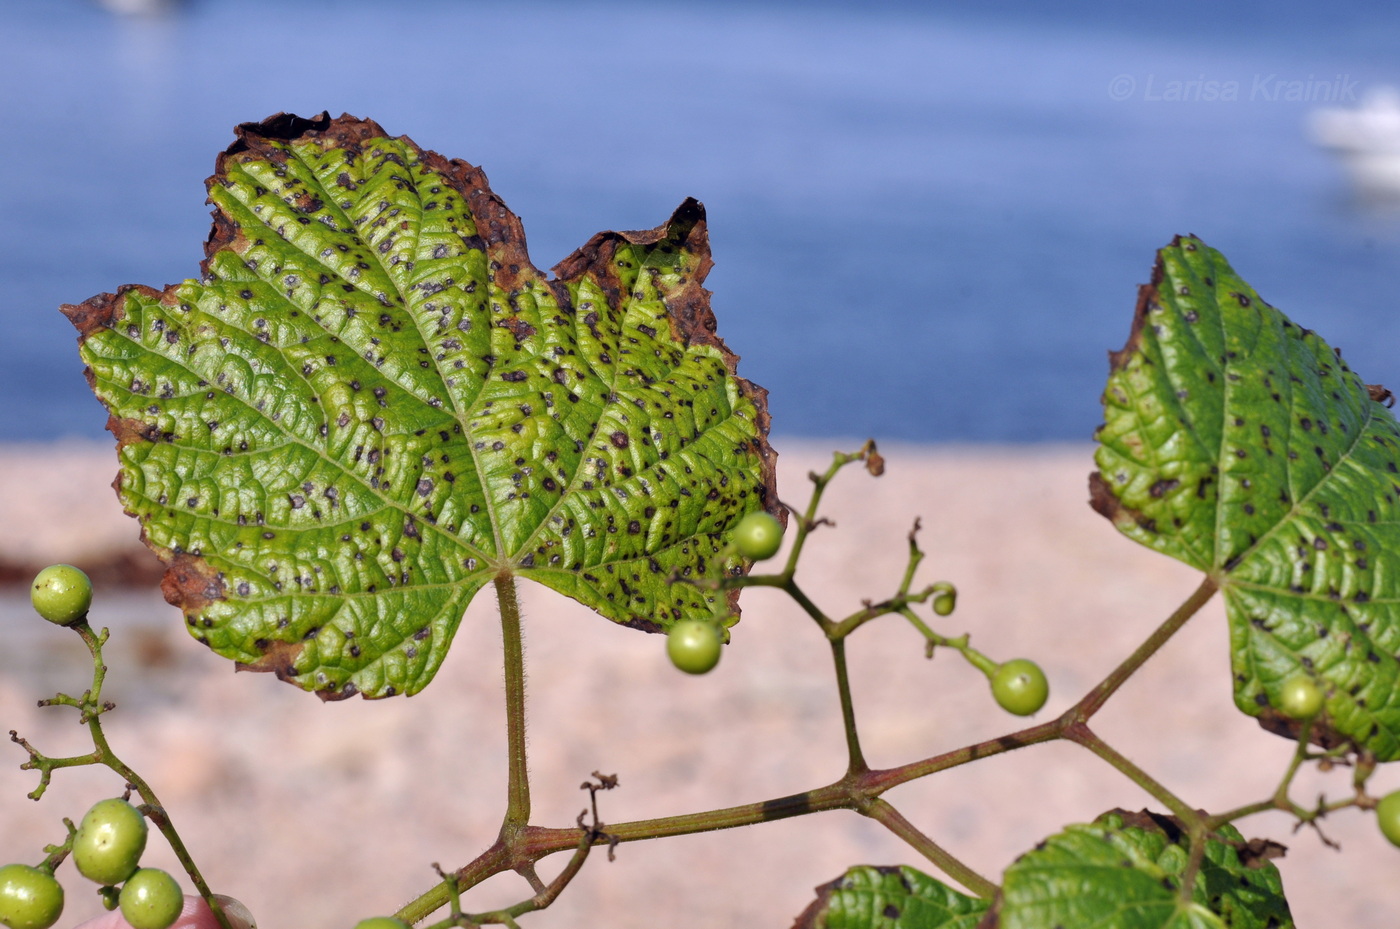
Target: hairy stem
518	777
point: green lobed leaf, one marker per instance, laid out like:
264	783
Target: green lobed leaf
371	404
1243	445
1125	870
869	897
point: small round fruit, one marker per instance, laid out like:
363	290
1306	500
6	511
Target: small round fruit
110	840
1388	816
759	535
1300	697
694	645
1019	686
945	600
151	899
30	898
382	922
61	594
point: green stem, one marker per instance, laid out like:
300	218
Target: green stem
1081	734
852	792
884	813
883	780
1240	812
1280	799
544	895
488	864
536	842
518	777
1197	835
810	608
855	758
975	658
103	753
1095	699
836	796
1055	729
787	585
807	521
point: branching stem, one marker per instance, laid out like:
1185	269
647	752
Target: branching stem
91	709
521	844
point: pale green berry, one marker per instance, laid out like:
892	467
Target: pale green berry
151	899
61	594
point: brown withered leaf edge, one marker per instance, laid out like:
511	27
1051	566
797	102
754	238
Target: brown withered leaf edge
189	583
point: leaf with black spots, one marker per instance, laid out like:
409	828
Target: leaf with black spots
371	403
1126	870
869	897
1241	444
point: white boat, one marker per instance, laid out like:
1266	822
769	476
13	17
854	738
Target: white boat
1367	140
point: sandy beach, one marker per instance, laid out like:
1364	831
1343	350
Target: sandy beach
316	814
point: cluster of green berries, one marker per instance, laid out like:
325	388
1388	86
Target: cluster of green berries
107	849
1301	698
108	843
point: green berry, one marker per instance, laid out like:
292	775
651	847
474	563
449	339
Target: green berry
1019	686
945	599
382	922
61	594
30	898
759	535
110	840
151	899
694	645
1388	816
1300	697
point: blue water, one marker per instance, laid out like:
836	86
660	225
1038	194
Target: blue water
928	223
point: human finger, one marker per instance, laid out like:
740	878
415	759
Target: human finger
195	914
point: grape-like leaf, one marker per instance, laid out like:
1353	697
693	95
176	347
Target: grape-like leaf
1242	444
1125	870
371	404
869	897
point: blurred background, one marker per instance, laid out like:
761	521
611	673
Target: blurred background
929	224
929	220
